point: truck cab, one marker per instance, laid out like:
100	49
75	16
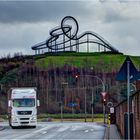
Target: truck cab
22	107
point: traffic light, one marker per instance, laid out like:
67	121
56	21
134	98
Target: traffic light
104	101
104	97
76	77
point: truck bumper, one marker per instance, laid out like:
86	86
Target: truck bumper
16	124
23	122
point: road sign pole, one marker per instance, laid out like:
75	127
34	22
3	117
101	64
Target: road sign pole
72	106
61	112
85	106
104	100
104	112
92	106
128	92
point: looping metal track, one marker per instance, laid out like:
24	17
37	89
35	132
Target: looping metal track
66	38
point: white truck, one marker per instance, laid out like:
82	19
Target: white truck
22	107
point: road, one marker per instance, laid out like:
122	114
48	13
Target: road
55	131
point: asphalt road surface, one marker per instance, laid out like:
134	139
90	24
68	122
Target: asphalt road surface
54	131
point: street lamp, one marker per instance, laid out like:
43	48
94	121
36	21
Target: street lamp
61	102
93	76
103	90
92	105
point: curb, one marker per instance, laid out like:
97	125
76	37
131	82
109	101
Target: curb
106	136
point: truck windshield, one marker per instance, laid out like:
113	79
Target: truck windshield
26	102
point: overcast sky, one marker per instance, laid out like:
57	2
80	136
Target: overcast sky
24	23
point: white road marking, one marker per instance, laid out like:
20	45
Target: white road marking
74	128
52	131
86	131
44	132
61	129
33	133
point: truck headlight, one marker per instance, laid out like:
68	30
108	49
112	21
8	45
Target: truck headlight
14	119
34	118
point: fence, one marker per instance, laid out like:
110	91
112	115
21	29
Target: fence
135	109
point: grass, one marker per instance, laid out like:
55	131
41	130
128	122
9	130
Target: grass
95	60
66	117
3	117
70	117
99	120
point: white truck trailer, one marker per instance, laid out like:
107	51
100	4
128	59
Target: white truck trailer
22	107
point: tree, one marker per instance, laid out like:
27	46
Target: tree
8	77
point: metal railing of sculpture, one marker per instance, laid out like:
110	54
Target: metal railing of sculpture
65	38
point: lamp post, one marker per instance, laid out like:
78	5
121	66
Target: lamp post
92	106
61	102
103	90
104	102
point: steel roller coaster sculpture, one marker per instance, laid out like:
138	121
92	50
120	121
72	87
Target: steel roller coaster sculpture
65	38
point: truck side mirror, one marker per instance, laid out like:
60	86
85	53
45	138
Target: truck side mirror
9	103
38	103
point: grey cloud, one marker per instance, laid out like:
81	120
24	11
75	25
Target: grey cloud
113	15
36	11
29	23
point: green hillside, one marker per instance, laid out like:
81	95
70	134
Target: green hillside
48	71
106	62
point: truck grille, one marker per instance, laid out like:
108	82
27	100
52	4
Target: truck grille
24	122
24	118
24	112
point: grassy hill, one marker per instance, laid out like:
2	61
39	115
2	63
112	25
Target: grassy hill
94	60
38	71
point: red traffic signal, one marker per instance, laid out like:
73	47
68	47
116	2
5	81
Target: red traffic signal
76	76
104	101
104	97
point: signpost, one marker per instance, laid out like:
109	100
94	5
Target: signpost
104	101
111	110
128	73
109	104
72	104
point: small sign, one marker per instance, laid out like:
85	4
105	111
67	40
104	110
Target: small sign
103	94
109	104
112	110
72	104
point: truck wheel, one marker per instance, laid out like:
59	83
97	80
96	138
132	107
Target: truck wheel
13	127
9	120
